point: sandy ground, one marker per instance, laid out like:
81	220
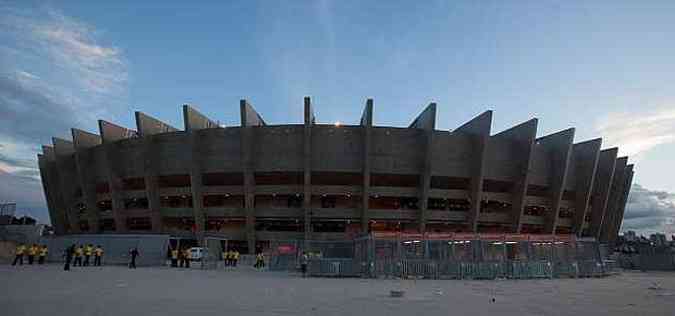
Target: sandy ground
47	290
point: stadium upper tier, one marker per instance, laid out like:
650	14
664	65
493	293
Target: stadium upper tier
328	181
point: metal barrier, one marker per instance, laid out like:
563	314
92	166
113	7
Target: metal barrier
152	248
333	267
441	259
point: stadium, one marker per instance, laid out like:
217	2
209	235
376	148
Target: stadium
256	183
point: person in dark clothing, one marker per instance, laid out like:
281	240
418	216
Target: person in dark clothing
134	254
68	254
303	264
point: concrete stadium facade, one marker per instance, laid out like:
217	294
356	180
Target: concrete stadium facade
258	182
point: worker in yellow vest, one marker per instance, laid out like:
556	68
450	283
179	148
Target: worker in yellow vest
236	257
32	251
226	257
174	257
20	249
186	257
78	256
42	254
88	251
98	254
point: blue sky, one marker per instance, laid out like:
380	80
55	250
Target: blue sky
603	67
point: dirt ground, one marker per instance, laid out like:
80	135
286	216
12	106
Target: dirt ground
48	290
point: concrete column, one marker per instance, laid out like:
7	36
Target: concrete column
195	121
622	204
49	187
148	127
479	130
367	124
67	178
427	122
586	156
249	119
523	137
559	146
83	141
307	162
613	204
110	133
601	188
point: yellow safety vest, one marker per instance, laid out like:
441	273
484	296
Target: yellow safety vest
20	250
43	252
174	254
87	251
78	252
31	251
236	255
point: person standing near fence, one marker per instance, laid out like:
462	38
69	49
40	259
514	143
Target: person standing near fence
186	257
42	254
78	256
98	253
174	257
304	259
18	257
133	253
87	253
235	255
32	251
68	254
226	258
260	261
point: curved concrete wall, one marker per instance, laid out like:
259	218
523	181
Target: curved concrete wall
255	179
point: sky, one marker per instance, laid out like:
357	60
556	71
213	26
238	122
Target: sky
602	67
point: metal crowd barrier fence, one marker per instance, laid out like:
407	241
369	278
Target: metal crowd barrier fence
441	259
152	248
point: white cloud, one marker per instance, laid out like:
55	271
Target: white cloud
55	73
636	133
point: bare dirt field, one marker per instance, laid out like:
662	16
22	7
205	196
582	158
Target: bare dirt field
48	290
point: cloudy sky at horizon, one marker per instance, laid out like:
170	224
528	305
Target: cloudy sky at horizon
605	70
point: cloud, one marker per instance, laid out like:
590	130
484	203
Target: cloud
636	133
649	211
55	73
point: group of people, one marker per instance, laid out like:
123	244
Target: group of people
32	251
180	257
76	253
231	258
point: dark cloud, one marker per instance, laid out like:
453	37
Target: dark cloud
649	211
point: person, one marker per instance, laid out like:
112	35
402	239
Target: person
226	257
174	257
236	258
134	253
230	258
43	254
186	257
259	260
98	253
20	249
32	251
78	256
181	257
303	264
68	254
87	253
